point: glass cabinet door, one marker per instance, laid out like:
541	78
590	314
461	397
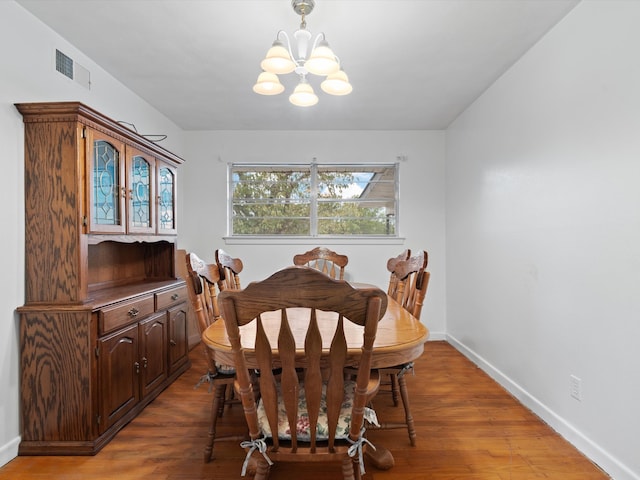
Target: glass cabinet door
166	199
129	191
141	211
106	184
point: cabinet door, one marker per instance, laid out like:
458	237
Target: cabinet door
153	352
178	339
119	372
106	183
167	187
141	207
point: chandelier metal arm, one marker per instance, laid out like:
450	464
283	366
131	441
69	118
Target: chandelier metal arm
317	40
300	59
288	44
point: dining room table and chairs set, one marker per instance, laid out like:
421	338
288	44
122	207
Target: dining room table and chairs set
304	351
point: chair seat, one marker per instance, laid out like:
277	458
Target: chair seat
302	424
225	369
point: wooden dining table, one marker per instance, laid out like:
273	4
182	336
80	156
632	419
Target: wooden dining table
400	339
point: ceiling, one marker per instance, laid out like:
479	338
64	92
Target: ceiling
413	64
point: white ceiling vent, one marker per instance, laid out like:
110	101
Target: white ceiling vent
66	66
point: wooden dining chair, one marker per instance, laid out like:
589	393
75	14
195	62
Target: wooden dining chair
413	280
202	280
391	267
392	291
309	412
408	286
229	269
325	260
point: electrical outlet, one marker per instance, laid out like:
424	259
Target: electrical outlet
575	387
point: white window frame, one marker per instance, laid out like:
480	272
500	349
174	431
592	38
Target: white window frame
314	237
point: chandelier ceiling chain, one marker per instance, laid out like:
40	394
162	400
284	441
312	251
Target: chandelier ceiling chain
281	59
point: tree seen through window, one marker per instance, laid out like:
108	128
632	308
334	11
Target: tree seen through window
313	200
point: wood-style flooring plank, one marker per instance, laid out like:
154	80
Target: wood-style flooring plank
468	427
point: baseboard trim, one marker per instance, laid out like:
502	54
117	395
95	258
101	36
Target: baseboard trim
9	451
609	464
436	336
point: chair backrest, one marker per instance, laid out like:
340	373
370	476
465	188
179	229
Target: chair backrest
302	287
412	282
230	269
391	267
327	261
201	281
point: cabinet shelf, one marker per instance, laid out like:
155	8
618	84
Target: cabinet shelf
108	296
95	239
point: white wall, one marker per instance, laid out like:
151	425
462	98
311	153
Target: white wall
27	49
541	200
421	200
543	230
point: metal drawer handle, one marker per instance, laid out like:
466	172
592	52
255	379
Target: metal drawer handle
173	343
133	312
175	296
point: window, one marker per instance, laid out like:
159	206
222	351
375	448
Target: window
313	200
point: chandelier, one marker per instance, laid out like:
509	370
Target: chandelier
283	58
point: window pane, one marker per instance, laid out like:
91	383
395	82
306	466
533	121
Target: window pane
271	218
359	227
271	226
353	210
271	184
338	185
313	200
355	218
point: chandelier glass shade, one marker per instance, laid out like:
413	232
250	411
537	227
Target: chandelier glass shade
337	84
268	84
278	60
303	95
286	56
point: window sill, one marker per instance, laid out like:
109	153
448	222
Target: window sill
277	240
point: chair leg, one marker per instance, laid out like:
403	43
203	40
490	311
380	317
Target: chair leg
404	394
350	469
224	398
262	470
231	396
216	411
393	378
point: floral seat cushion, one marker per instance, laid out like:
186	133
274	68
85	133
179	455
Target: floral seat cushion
302	425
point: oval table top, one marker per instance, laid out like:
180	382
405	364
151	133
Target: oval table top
400	337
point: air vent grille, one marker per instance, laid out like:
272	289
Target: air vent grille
64	64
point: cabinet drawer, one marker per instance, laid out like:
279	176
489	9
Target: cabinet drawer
171	297
120	314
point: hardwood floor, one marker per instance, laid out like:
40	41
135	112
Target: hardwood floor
468	428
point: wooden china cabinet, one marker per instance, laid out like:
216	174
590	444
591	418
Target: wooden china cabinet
104	329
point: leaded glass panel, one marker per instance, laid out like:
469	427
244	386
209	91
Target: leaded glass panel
106	182
166	195
140	192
